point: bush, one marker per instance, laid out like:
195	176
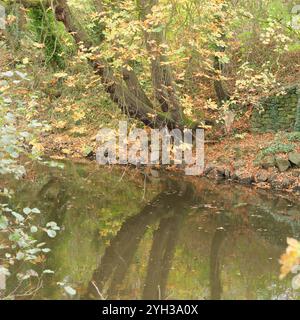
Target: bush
277	147
294	136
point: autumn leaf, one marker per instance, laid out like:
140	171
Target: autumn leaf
78	115
290	258
60	75
60	124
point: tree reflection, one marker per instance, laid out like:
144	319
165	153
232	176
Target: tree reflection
168	210
215	272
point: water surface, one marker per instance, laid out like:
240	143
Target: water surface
144	235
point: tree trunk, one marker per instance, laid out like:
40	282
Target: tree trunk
161	73
129	76
220	90
129	102
132	102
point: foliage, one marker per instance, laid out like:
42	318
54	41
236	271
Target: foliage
50	35
250	51
15	140
293	136
277	147
290	262
20	230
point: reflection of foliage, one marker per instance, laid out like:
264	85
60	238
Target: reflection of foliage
290	262
91	204
110	223
20	250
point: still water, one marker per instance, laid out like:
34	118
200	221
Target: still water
146	235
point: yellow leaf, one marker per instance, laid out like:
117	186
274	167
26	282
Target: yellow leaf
25	61
60	75
78	115
290	258
66	151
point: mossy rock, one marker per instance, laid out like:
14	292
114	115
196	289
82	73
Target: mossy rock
294	158
267	162
282	164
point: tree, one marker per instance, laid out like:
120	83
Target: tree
127	93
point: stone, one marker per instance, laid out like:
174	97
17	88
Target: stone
276	184
282	184
294	158
297	188
262	177
243	177
268	162
295	174
282	164
287	183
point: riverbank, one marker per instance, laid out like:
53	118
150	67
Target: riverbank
266	160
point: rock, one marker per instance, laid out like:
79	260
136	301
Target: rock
276	184
294	158
282	164
243	177
297	188
268	162
247	180
282	184
287	183
295	174
262	177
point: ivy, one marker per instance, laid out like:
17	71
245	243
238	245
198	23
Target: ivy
47	32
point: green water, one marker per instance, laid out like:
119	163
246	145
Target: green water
144	235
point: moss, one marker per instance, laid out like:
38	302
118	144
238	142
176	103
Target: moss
277	113
50	33
277	147
294	136
297	122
